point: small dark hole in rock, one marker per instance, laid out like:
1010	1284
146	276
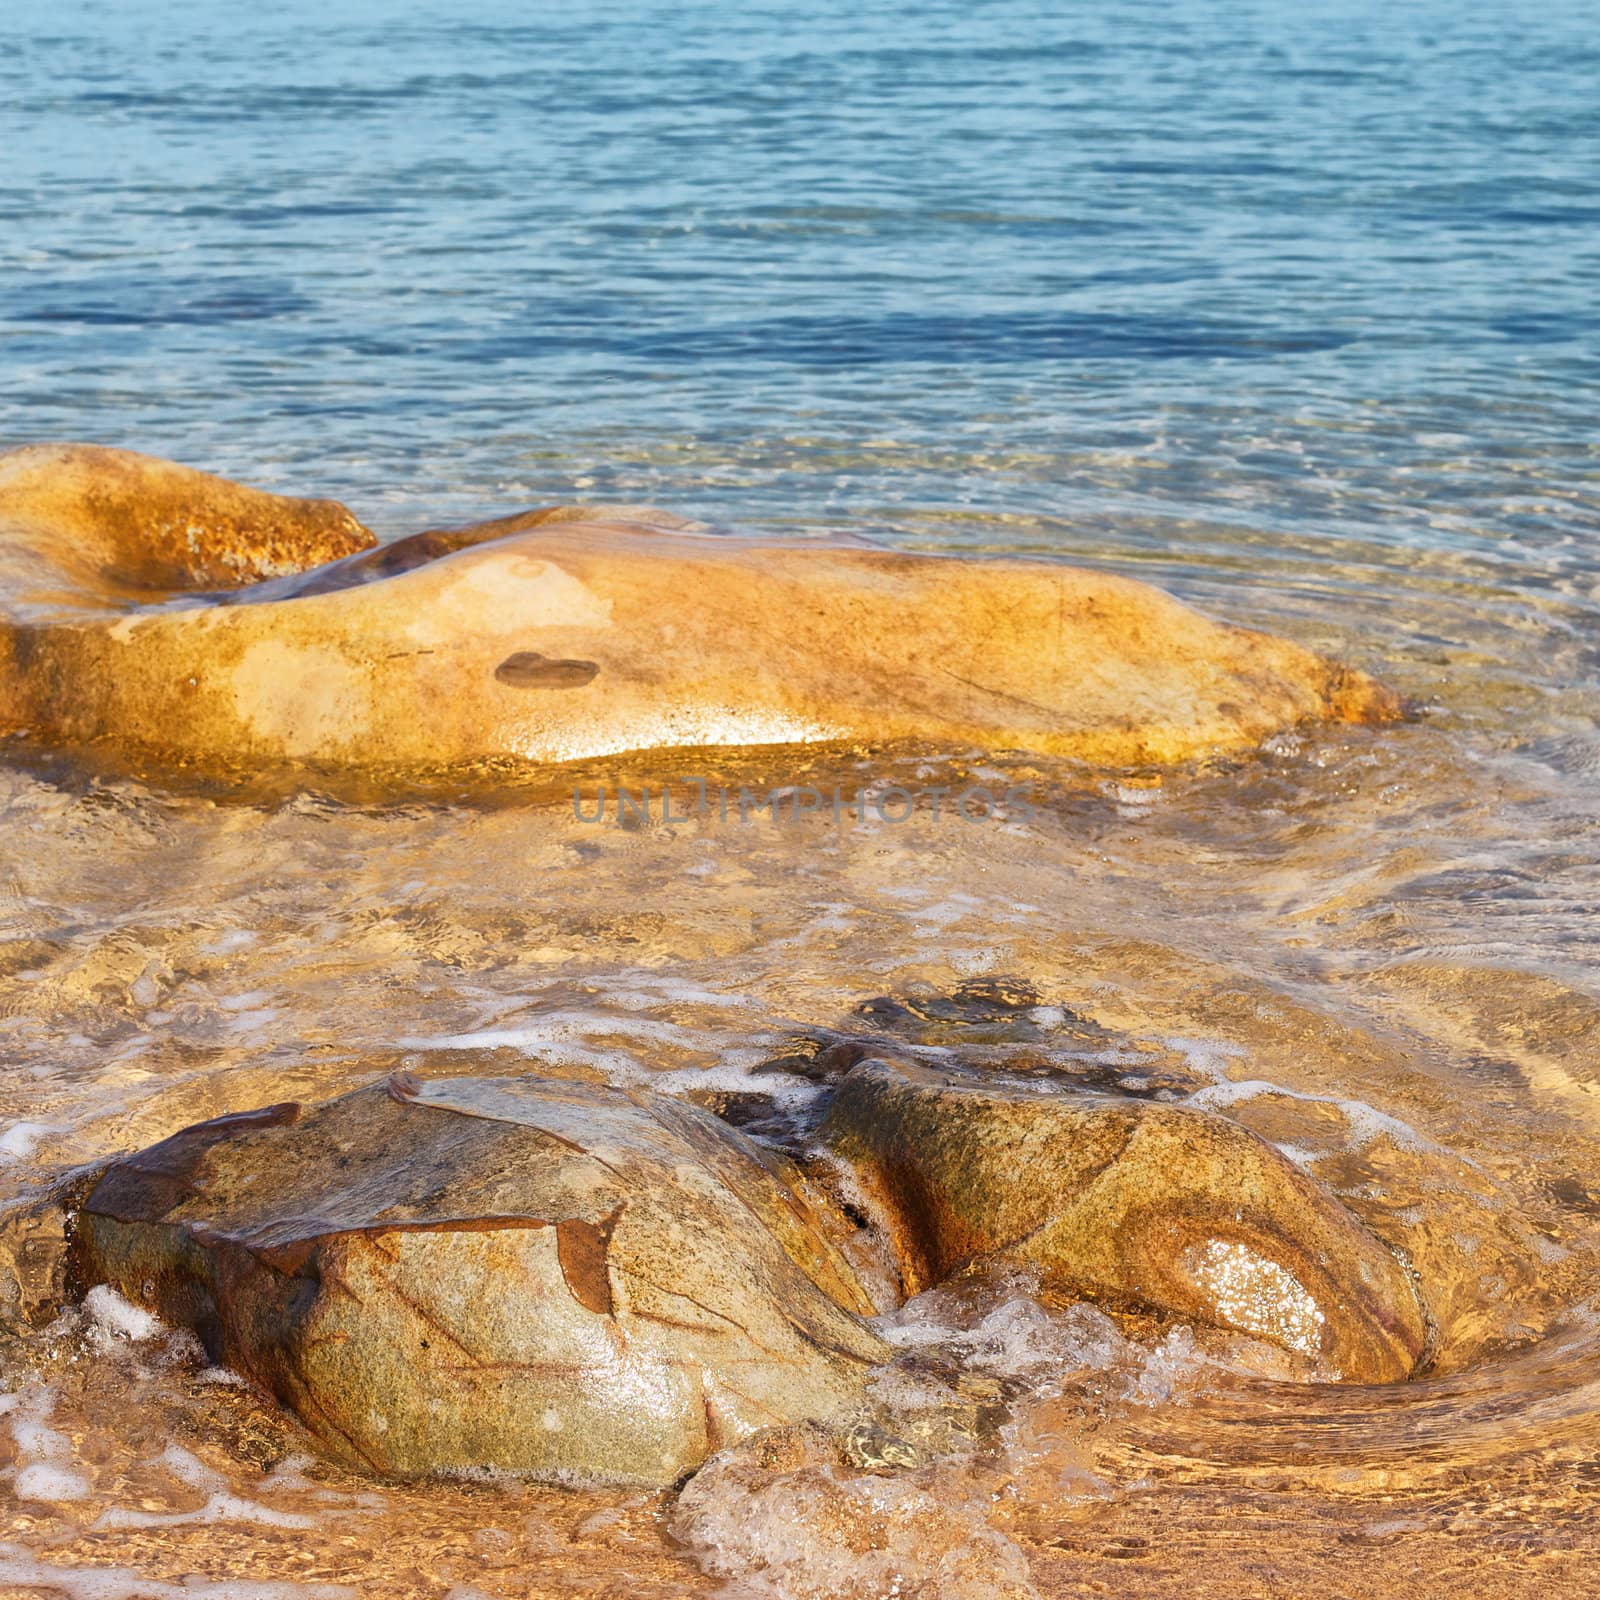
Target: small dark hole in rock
527	669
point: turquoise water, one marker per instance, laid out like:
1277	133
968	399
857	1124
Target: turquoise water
1172	282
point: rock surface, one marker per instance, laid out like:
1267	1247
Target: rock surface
578	633
525	1274
1133	1203
36	1276
564	1280
100	521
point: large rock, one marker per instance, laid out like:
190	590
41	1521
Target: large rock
1134	1203
571	633
525	1274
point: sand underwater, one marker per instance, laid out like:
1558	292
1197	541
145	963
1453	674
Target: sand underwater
1280	972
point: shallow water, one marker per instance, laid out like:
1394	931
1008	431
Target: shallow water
1289	310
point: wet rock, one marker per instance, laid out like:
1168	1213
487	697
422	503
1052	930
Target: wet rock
1002	1010
1133	1203
37	1271
571	632
1001	1025
94	519
532	1275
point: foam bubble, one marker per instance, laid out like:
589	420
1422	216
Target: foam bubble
816	1531
1366	1123
189	1469
112	1317
124	1583
641	990
1015	1338
1166	1372
46	1480
21	1139
788	1092
995	1327
45	1469
561	1027
219	1507
567	1038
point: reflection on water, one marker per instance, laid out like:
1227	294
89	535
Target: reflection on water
1291	311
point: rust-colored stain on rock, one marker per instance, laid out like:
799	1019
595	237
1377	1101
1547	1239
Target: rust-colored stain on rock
581	1249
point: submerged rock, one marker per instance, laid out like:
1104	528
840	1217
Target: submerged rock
1132	1203
573	633
525	1274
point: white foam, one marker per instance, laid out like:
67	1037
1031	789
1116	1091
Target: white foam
1208	1057
1167	1371
289	1477
45	1469
816	1533
1302	1157
190	1469
219	1507
45	1480
1012	1337
21	1139
1366	1123
254	1000
558	1027
565	1037
1018	1338
113	1317
641	989
789	1092
20	1568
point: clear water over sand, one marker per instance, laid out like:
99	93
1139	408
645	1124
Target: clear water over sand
1290	311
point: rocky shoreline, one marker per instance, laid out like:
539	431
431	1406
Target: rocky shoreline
575	1282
